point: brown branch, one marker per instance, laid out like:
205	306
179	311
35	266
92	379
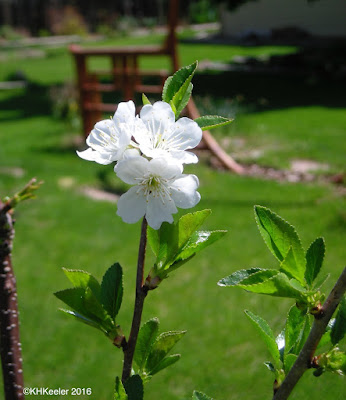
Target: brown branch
10	348
319	326
141	292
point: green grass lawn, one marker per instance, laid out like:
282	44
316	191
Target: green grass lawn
221	353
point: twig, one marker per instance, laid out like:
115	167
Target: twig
319	326
141	292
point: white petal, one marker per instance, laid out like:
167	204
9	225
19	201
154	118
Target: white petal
131	206
183	157
92	155
158	118
100	138
158	212
131	168
129	153
184	191
160	167
187	133
125	112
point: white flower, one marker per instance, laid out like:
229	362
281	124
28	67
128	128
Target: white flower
164	137
110	139
160	187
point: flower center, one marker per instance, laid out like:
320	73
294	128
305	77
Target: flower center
154	186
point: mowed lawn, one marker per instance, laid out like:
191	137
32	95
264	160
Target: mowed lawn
221	353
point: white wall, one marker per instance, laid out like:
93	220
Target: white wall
323	17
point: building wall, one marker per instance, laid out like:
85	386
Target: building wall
322	17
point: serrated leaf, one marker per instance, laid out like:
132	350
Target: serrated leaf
208	122
82	319
270	282
145	100
166	362
160	348
174	237
289	267
183	100
314	260
177	86
296	331
119	390
290	359
321	281
83	279
94	307
112	290
339	328
238	276
198	241
200	396
146	337
267	335
280	236
134	388
74	298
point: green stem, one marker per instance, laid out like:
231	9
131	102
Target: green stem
319	326
141	292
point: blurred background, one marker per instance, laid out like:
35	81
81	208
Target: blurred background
279	69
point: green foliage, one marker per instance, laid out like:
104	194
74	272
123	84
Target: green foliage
119	390
267	335
339	327
296	332
177	88
151	354
297	271
94	304
314	260
174	244
112	290
212	121
134	388
281	237
200	396
145	100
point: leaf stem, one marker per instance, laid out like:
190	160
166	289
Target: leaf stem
319	326
141	292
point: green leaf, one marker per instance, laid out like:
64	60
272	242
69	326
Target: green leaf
160	348
74	298
94	307
266	281
200	396
314	260
339	328
174	237
198	241
134	388
119	390
321	281
83	279
212	121
280	236
166	362
296	331
267	335
290	359
183	100
145	100
82	319
177	89
153	237
237	277
289	267
146	337
112	290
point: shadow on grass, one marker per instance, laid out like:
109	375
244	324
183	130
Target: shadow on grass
262	92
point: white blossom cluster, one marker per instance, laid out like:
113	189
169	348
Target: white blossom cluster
149	150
